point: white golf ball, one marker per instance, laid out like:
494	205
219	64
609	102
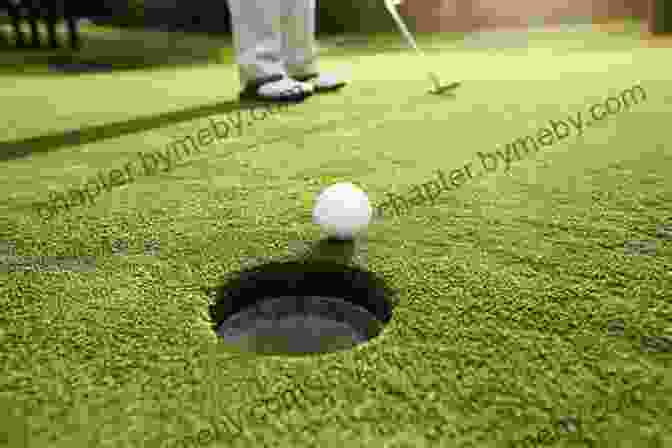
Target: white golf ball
342	210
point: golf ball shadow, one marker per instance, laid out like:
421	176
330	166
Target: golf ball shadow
300	308
332	249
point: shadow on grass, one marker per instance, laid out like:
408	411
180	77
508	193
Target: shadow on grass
126	55
92	134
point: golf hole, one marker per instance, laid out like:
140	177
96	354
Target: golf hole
300	308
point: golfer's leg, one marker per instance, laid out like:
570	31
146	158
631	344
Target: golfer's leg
299	46
256	37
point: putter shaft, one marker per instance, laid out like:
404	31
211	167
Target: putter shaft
390	4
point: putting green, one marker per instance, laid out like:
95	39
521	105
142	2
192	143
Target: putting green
527	306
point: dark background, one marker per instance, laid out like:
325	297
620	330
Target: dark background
212	16
365	16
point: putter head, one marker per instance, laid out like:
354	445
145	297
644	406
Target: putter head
446	88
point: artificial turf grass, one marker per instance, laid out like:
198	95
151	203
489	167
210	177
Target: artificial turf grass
506	286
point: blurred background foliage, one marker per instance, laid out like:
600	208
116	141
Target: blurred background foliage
212	16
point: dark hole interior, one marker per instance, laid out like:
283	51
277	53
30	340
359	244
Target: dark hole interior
307	302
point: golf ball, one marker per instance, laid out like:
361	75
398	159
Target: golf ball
342	210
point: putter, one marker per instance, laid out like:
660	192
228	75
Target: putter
439	87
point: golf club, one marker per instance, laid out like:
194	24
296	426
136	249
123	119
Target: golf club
438	87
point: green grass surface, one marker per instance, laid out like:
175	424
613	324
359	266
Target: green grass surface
506	286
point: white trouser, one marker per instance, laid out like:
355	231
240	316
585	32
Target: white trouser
273	37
